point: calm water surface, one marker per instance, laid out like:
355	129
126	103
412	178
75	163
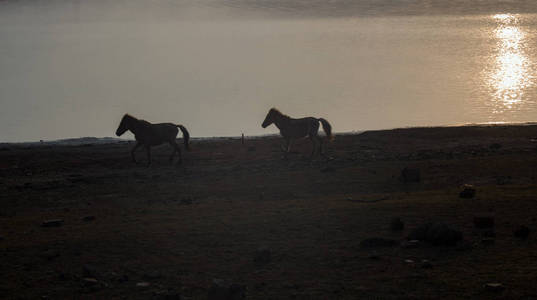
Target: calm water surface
72	68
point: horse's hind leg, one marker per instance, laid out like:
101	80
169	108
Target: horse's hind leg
314	141
323	154
138	144
287	148
148	150
177	149
173	152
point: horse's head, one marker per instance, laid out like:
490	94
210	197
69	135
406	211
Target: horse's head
123	125
269	119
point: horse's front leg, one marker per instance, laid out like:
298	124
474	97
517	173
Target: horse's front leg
138	144
314	140
148	150
287	147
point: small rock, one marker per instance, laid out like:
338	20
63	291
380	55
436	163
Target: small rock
468	191
50	254
374	256
88	218
88	281
396	224
262	256
328	169
521	232
143	284
503	180
187	200
223	290
410	175
488	233
377	242
426	264
166	295
485	220
488	241
153	275
494	287
438	234
495	146
52	223
410	244
409	261
89	271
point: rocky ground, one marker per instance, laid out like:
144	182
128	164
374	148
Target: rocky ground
388	217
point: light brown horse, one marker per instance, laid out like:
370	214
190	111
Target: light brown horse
147	135
298	128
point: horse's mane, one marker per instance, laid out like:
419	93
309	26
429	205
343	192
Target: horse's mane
127	116
131	118
277	111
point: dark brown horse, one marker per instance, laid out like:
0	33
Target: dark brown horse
147	135
298	128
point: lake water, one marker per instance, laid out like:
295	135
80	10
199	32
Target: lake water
73	68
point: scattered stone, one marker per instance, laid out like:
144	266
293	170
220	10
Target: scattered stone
468	191
153	275
521	232
438	234
262	256
488	233
485	220
89	281
374	256
52	223
396	224
377	242
113	276
222	290
426	264
187	200
495	146
167	295
488	241
410	244
503	180
409	261
328	169
50	254
143	284
410	175
88	218
494	287
89	271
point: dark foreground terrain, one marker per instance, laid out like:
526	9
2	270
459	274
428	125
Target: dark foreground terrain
237	220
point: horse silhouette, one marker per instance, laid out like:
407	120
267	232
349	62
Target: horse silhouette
147	135
291	128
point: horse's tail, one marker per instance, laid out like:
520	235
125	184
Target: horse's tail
186	136
327	129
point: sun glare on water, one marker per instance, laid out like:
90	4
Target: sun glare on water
510	76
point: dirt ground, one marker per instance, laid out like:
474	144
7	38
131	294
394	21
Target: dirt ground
276	229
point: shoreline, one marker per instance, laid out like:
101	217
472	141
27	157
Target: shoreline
111	140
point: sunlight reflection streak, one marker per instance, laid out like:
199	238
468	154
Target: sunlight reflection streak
510	75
